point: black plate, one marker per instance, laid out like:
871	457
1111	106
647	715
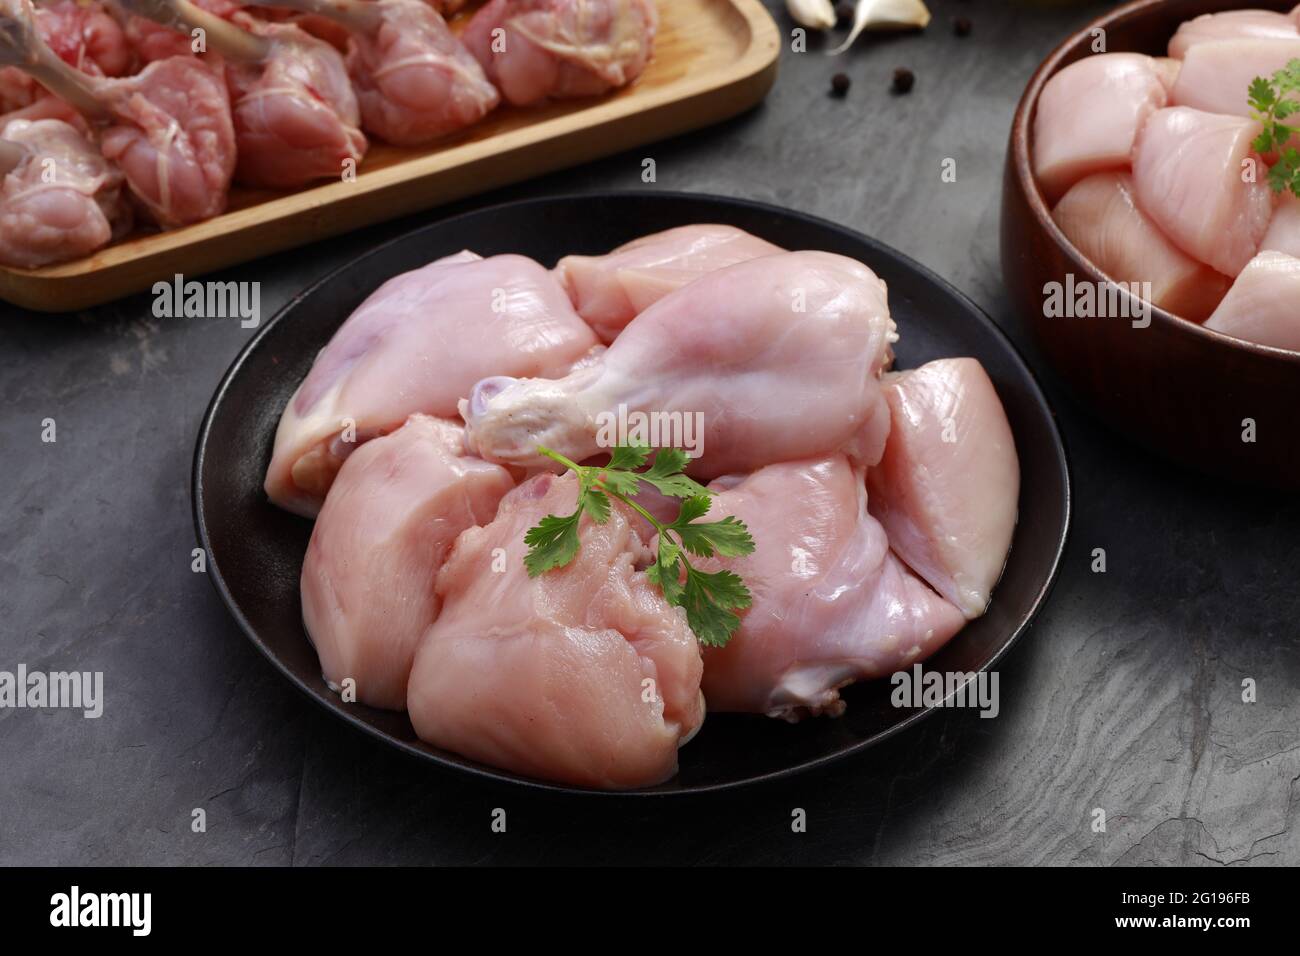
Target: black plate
255	550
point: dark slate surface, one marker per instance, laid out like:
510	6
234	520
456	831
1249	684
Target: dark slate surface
1126	696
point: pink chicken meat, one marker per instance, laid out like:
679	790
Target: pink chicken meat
1189	177
376	549
54	218
780	356
1089	115
418	344
1261	305
415	81
948	486
831	604
1101	217
610	290
584	675
539	49
1232	25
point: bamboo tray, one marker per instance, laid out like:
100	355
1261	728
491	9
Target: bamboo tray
713	59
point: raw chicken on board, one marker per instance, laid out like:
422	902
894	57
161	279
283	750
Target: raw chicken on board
539	49
60	199
295	114
1261	305
831	604
418	344
1089	115
167	127
386	528
948	486
1102	218
415	81
610	290
1188	177
779	355
584	675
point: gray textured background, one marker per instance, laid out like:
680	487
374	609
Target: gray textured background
1125	696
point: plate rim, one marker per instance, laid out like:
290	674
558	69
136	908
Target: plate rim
490	774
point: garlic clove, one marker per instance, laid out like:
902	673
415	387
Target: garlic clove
885	15
814	14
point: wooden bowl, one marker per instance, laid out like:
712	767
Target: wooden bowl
1182	390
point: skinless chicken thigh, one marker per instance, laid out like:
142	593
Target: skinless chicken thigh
418	344
386	528
779	356
611	290
831	604
60	200
535	49
584	675
83	36
948	486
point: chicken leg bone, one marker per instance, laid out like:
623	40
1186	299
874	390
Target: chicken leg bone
21	45
221	35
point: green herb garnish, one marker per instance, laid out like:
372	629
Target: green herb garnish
1272	103
710	598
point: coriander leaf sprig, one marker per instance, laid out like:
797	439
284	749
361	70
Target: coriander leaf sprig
1273	102
710	599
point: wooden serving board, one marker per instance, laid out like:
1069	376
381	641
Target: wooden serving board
713	59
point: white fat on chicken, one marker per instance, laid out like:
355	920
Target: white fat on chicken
779	356
1189	177
388	524
583	675
948	487
1261	305
1089	115
610	290
1232	25
417	345
1101	218
831	603
1216	77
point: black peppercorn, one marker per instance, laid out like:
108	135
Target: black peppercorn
961	26
840	84
904	80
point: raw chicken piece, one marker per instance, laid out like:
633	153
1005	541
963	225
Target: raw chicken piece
583	675
948	487
1189	177
151	41
1261	306
1216	77
1284	231
78	210
415	81
1232	25
295	114
562	48
83	36
418	344
386	528
831	604
1168	68
1101	218
167	127
175	141
1089	114
610	290
779	358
